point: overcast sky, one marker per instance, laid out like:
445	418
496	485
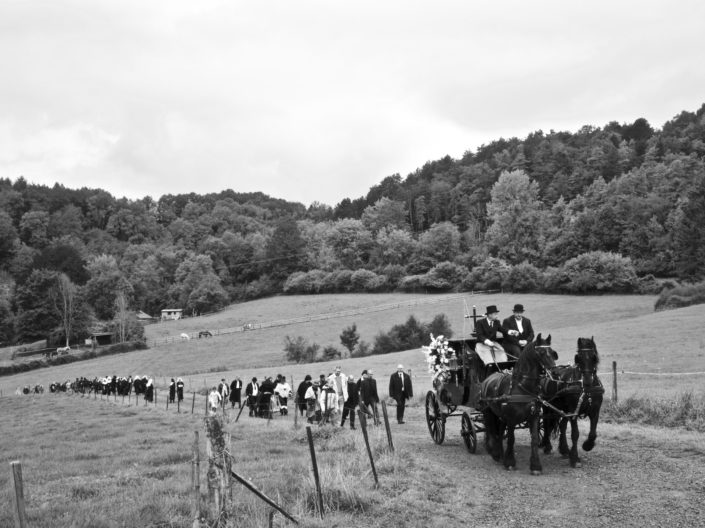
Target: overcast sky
320	100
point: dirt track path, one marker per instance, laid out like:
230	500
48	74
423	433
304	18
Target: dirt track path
635	476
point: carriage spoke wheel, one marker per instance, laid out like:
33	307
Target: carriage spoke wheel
435	419
468	432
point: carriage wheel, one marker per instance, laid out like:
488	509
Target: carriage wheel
435	419
467	430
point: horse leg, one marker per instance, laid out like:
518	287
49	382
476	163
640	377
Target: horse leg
563	448
549	421
594	417
492	439
574	435
499	448
535	461
509	460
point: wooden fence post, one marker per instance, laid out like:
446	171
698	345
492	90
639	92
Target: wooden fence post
614	381
196	483
386	425
18	496
363	426
315	469
193	403
215	447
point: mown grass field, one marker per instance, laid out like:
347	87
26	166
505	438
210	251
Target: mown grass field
98	463
661	348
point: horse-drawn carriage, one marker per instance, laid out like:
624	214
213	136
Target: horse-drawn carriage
496	394
458	385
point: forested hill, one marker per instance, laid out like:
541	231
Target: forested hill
600	209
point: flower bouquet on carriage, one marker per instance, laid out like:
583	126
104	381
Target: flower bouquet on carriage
441	359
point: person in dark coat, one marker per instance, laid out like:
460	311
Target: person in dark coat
368	395
301	394
517	331
235	391
400	389
266	389
351	403
180	389
172	391
149	390
488	330
251	393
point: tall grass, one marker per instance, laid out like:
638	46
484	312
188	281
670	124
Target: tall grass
686	410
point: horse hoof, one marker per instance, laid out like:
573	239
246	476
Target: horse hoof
536	472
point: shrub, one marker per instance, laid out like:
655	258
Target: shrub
490	275
330	353
365	281
305	282
411	334
337	281
445	276
394	273
350	337
599	271
412	283
523	277
362	349
680	296
440	325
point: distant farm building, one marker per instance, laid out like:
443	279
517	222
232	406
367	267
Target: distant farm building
145	317
102	338
171	315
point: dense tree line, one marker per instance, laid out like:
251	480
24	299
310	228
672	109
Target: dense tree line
600	209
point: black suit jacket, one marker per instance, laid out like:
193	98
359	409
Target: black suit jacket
484	330
395	387
368	391
510	323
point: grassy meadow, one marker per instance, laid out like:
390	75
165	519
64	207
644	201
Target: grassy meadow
99	463
656	353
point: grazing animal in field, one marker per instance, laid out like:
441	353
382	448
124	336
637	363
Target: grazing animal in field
509	400
63	350
576	392
185	336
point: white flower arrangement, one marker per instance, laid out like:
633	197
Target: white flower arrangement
439	357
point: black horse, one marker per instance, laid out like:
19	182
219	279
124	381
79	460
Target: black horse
576	392
509	400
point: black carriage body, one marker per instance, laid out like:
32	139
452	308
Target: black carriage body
467	375
462	388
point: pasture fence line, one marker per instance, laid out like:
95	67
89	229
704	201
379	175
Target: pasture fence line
323	317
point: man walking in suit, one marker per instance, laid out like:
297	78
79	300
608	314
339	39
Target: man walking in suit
368	395
488	330
517	331
251	393
400	389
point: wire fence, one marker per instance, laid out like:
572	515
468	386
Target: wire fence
320	317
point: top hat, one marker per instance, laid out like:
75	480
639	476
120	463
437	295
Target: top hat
491	309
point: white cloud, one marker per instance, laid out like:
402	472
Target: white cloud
317	100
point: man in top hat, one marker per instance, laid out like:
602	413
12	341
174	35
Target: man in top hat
517	331
400	389
488	330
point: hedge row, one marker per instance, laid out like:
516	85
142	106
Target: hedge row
71	358
594	272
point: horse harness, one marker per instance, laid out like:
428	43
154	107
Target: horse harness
571	385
